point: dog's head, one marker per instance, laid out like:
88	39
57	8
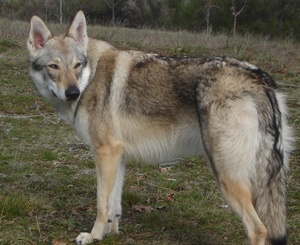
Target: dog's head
58	64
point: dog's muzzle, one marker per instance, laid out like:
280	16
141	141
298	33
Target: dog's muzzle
72	93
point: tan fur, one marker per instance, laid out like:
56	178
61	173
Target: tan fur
108	158
132	105
239	198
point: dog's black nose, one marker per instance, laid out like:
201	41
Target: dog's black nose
72	93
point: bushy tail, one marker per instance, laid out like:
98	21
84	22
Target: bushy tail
271	208
270	202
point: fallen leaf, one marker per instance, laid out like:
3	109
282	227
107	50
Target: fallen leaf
137	208
165	170
170	196
57	242
142	208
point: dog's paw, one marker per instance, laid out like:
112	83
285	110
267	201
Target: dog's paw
84	238
113	227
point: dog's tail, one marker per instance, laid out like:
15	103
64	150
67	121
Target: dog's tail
270	199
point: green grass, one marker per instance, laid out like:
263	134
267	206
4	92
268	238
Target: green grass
49	155
47	176
6	44
14	206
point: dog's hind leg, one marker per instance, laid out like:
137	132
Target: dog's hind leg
108	163
239	198
230	132
234	180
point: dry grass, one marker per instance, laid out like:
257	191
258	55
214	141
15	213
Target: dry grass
47	178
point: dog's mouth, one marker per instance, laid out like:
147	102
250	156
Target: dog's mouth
54	93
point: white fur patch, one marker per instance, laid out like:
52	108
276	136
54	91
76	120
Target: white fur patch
81	125
287	134
85	77
155	144
120	77
235	139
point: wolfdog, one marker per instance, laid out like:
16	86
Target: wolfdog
134	105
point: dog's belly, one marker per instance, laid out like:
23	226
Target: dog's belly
160	144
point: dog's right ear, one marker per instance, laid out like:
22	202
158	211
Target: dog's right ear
38	34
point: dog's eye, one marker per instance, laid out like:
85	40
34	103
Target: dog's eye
53	66
77	65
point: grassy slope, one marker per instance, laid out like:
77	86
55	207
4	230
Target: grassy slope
47	180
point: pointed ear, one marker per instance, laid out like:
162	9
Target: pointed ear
38	34
77	29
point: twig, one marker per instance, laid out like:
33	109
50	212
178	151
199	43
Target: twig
20	116
157	186
288	85
170	163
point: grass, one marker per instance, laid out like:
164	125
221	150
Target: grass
47	176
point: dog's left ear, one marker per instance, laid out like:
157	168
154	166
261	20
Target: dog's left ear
77	29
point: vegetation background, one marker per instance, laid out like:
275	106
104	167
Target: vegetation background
275	18
47	176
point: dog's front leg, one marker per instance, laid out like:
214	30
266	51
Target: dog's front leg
115	207
108	165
